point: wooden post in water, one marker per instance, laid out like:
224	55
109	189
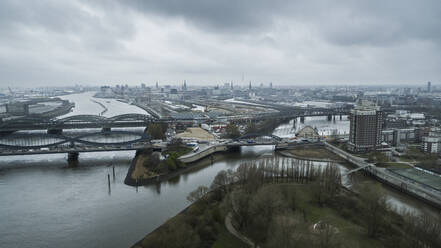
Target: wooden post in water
108	181
113	171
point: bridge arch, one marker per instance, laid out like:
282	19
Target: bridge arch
21	121
17	141
130	117
258	135
81	118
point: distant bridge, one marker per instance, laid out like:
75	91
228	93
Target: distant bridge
75	122
13	141
142	120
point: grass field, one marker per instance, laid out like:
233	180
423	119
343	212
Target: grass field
314	152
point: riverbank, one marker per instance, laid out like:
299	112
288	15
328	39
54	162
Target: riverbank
312	153
201	223
138	161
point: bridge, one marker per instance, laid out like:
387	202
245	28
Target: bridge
55	125
73	143
37	135
75	122
254	139
418	190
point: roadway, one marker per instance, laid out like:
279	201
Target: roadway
430	195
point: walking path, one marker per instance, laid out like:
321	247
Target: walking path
236	233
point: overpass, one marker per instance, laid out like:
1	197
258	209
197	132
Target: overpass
413	188
253	139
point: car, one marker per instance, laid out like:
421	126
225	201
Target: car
196	149
250	141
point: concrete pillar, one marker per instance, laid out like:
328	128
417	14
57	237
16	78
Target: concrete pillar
329	117
73	156
302	119
340	117
55	131
106	129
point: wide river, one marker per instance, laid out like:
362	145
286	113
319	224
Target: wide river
45	204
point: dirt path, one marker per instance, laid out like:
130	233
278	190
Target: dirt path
236	233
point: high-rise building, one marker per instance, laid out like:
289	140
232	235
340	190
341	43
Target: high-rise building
366	121
429	86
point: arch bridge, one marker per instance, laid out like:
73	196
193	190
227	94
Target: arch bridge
253	139
42	143
75	122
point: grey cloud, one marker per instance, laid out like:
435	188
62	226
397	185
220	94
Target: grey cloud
280	40
346	22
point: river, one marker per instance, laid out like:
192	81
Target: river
46	204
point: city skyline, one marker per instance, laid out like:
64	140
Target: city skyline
289	43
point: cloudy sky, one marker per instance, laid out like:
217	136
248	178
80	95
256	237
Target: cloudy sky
289	42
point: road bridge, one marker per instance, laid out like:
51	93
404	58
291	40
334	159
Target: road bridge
413	188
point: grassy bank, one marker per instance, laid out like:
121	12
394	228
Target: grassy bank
199	225
286	203
315	152
148	165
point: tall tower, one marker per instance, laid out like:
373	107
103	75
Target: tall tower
271	85
249	86
429	86
157	86
184	87
231	85
366	121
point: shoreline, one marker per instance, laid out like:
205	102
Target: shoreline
286	153
165	177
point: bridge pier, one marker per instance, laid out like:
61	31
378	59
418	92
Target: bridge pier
329	117
106	129
340	117
72	156
234	149
54	131
302	119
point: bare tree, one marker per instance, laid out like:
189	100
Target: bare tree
197	194
375	207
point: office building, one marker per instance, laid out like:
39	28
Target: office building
366	122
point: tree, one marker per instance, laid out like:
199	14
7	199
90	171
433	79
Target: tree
175	144
221	183
264	204
375	208
232	131
197	194
152	161
251	128
155	130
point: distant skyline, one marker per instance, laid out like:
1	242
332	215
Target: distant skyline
287	42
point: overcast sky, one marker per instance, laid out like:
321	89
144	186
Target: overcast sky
55	43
